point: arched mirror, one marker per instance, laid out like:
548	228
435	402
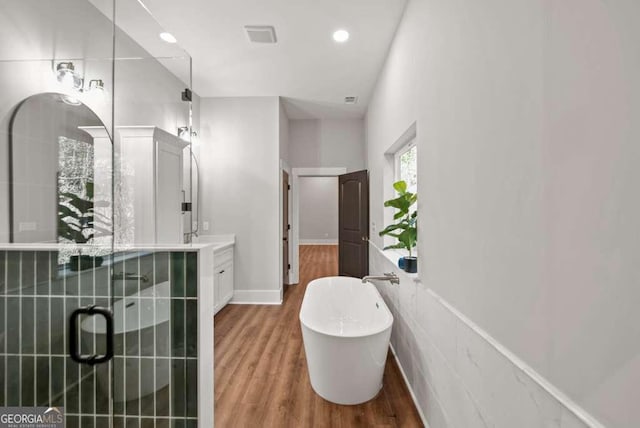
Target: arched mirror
61	176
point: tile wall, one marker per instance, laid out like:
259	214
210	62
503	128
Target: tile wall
155	316
459	376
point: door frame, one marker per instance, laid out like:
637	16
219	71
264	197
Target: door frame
286	226
294	235
284	167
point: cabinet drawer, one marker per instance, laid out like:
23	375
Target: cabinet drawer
222	258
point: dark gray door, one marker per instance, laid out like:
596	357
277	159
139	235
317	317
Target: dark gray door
353	233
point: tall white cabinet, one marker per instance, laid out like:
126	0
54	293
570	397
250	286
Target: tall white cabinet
149	166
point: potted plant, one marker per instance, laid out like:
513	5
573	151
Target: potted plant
406	228
76	224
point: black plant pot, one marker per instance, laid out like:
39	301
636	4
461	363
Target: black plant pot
79	263
411	264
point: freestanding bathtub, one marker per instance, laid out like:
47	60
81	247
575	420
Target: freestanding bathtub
346	328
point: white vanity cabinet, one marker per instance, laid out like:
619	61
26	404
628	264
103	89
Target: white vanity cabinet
223	278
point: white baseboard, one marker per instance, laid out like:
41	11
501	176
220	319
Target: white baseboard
256	297
408	384
318	242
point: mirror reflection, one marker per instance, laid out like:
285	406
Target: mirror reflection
61	177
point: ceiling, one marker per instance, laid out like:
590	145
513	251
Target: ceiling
305	66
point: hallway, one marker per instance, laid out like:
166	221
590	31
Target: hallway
261	376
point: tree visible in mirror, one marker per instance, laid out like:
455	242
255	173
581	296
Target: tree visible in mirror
77	216
405	230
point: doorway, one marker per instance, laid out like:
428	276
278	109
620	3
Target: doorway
318	206
286	227
356	238
294	234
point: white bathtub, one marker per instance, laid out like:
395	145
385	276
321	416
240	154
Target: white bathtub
346	328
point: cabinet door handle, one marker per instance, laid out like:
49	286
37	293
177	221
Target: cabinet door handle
222	271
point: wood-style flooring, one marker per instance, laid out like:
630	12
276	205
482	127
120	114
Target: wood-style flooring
261	377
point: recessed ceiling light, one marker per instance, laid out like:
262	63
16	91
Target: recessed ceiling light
168	37
341	36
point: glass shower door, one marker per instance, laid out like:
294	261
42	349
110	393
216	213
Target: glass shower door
38	299
155	301
56	89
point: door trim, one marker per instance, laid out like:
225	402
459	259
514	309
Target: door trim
284	167
294	236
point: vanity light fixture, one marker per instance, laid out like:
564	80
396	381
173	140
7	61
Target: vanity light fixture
96	85
66	74
341	36
183	134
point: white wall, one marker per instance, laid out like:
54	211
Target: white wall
527	147
284	167
283	123
459	374
239	152
327	143
318	205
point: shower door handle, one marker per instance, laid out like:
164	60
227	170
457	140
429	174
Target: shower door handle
74	348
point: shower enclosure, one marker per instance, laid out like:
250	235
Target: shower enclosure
96	320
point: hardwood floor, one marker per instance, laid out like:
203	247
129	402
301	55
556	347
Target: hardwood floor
261	377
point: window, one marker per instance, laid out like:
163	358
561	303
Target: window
402	164
81	218
406	165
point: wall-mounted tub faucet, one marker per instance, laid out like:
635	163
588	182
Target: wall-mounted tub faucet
388	276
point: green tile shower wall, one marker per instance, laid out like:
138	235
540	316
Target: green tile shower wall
36	298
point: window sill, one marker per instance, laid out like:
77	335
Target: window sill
394	255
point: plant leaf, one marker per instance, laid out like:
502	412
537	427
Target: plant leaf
399	203
398	215
398	246
400	186
390	228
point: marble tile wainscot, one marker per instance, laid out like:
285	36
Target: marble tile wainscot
459	376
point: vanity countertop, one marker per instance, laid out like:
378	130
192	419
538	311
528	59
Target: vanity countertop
222	246
219	242
195	246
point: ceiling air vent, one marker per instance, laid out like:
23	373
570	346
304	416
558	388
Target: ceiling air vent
350	100
261	33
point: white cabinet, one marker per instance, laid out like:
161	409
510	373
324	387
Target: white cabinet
150	186
223	278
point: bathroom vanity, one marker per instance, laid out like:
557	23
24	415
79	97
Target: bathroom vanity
223	277
223	261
